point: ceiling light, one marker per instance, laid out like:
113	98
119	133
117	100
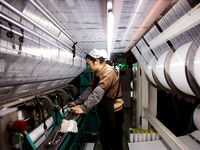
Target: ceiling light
109	5
110	22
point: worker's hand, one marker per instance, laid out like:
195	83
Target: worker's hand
71	104
77	110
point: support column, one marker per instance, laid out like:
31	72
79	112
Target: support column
146	98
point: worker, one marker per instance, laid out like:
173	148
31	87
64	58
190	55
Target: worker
105	92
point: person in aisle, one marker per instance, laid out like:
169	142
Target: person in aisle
105	92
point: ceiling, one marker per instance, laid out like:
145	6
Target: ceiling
86	20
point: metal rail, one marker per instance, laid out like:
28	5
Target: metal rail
165	133
26	29
56	22
22	100
186	22
31	21
32	32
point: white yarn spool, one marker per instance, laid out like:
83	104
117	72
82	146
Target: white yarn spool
136	137
153	134
157	136
131	133
177	69
197	66
131	137
20	115
148	135
196	116
159	71
149	70
140	137
144	136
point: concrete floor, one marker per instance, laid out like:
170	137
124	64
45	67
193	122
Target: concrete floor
127	124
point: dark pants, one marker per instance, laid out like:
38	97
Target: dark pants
111	135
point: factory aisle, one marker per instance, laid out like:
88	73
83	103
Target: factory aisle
127	124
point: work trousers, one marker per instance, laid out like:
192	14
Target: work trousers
111	137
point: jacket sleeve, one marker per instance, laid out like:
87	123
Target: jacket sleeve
83	97
93	99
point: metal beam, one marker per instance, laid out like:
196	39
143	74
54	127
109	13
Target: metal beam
188	21
165	133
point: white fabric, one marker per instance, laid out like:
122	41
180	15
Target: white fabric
68	126
97	53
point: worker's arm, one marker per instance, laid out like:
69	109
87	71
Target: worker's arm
83	97
94	98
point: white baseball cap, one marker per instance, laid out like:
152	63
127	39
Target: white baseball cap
97	53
